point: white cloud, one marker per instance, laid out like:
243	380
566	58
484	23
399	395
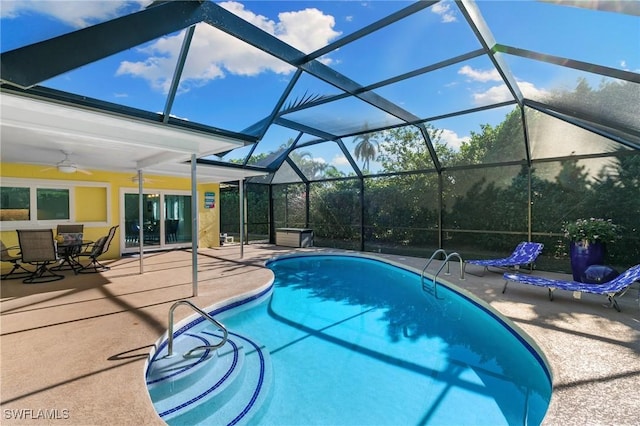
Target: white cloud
479	75
306	30
628	7
623	64
501	93
452	140
77	14
494	94
498	93
340	160
443	9
214	54
10	9
257	20
529	90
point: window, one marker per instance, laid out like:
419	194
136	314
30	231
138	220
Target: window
32	202
14	203
53	204
50	203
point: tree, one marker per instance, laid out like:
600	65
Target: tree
404	149
366	148
402	210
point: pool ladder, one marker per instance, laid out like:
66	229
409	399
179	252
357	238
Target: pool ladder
434	290
202	314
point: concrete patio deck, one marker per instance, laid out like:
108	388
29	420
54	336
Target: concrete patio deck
75	349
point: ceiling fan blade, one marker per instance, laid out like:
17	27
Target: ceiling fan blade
86	172
48	168
134	179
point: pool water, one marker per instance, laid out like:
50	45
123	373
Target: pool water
356	341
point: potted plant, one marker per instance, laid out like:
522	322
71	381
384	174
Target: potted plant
588	239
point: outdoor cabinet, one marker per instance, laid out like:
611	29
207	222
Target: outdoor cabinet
294	237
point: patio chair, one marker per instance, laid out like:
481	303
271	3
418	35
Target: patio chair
69	229
613	288
38	248
6	256
132	231
171	230
524	254
94	251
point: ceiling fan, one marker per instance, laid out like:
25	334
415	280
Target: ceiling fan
67	166
135	180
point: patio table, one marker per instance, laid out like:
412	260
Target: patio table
68	251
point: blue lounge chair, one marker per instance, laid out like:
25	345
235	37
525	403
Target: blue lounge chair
524	254
611	288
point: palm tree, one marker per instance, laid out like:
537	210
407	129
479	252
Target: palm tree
366	148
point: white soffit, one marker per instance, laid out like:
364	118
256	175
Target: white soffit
85	126
205	173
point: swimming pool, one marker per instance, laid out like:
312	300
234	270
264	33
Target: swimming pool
351	340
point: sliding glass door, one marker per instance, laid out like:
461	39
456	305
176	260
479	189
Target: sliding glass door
177	219
166	220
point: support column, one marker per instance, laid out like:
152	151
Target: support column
141	219
241	208
194	226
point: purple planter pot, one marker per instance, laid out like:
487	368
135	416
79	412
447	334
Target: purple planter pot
583	255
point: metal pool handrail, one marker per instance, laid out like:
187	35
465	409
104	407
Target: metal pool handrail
431	259
204	315
446	262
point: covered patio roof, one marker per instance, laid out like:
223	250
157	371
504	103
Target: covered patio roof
43	132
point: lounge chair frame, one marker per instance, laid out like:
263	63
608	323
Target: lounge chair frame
612	289
525	254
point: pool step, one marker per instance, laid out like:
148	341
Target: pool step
254	393
227	386
168	376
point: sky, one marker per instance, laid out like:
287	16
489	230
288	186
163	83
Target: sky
231	85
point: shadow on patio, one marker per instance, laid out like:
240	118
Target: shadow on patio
80	345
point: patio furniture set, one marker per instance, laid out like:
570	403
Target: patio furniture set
40	256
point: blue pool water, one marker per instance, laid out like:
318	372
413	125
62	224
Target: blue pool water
356	341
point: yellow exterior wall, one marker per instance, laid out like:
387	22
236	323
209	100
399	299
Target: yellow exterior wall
91	204
209	218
